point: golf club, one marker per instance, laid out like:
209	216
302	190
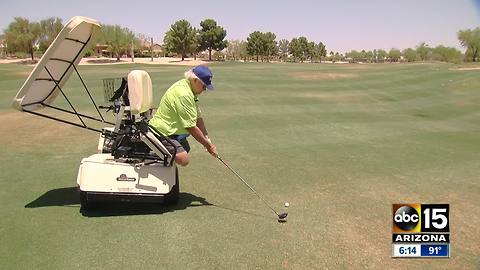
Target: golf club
281	217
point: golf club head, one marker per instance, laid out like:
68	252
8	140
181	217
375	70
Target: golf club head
282	217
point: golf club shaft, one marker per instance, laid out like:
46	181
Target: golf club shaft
253	190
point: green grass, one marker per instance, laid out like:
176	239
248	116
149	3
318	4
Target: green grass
341	149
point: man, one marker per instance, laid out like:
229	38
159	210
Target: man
178	115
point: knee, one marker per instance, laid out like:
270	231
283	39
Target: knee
182	159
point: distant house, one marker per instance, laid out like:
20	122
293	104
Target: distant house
157	50
101	50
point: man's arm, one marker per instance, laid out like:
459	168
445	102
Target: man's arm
200	137
201	126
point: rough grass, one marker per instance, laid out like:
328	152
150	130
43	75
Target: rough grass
341	151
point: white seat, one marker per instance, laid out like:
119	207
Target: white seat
140	97
139	91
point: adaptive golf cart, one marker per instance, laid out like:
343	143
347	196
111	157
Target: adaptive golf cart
132	163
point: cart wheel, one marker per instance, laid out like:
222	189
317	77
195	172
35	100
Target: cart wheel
84	202
172	197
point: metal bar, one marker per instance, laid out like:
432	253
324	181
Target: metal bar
63	121
79	41
45	79
73	108
88	92
61	60
82	115
66	111
153	157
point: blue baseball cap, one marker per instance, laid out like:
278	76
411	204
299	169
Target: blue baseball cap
205	75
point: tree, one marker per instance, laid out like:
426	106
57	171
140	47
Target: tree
233	49
410	54
381	55
295	49
446	54
22	36
356	56
262	44
211	37
394	55
236	49
470	39
180	38
283	49
269	45
337	57
196	47
316	51
118	39
299	48
219	56
49	29
363	56
310	52
423	51
243	50
254	44
321	51
369	56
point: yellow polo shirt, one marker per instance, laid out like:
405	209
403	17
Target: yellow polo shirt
177	110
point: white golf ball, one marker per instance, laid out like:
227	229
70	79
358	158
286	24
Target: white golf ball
287	204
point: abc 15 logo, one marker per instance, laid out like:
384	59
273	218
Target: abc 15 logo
419	218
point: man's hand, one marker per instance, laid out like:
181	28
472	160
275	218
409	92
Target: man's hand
204	140
212	149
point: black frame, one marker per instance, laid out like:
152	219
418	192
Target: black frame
156	133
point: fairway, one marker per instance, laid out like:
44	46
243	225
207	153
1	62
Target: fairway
340	143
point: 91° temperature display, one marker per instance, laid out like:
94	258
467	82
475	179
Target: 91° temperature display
421	250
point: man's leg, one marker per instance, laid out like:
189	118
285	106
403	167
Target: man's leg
182	158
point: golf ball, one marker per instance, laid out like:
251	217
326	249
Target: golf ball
287	204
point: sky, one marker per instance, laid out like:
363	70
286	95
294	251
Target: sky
342	25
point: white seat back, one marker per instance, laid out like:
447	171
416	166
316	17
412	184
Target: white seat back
139	91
